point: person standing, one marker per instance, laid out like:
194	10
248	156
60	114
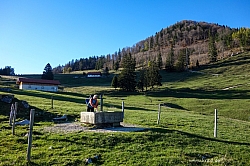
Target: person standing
93	103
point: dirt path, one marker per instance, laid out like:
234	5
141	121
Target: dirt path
77	127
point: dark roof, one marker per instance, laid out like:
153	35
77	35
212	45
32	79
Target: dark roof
38	81
94	73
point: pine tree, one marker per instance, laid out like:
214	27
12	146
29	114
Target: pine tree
197	64
47	73
212	51
180	64
119	55
113	64
106	72
116	66
7	71
142	82
151	43
170	59
154	77
114	82
159	61
126	79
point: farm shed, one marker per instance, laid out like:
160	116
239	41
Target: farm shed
94	74
38	84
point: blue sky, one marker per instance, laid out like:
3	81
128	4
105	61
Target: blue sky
36	32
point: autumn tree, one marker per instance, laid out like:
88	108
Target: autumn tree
243	35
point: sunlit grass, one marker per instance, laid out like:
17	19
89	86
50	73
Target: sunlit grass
183	137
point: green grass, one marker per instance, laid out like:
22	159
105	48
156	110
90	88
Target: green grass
183	137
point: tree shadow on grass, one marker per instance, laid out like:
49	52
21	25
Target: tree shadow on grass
119	93
24	113
171	105
201	94
163	130
68	96
119	107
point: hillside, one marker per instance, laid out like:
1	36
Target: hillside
187	37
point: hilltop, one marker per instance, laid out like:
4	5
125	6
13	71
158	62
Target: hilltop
187	38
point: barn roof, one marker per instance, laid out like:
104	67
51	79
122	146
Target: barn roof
37	81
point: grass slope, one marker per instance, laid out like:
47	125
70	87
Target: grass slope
183	137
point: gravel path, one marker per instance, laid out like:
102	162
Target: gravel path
77	127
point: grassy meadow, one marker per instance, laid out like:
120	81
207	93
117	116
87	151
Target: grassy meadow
183	137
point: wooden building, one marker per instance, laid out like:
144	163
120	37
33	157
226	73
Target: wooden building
38	84
94	74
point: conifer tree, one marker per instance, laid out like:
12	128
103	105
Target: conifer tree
114	82
159	61
180	64
154	77
127	78
143	80
197	64
116	66
119	55
151	43
170	59
106	72
212	51
113	64
47	73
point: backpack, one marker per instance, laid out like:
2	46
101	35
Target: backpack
87	100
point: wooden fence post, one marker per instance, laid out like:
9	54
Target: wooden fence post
101	103
14	119
159	114
32	112
16	106
12	110
123	109
215	123
51	101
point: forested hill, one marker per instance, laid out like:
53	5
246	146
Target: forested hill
184	44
